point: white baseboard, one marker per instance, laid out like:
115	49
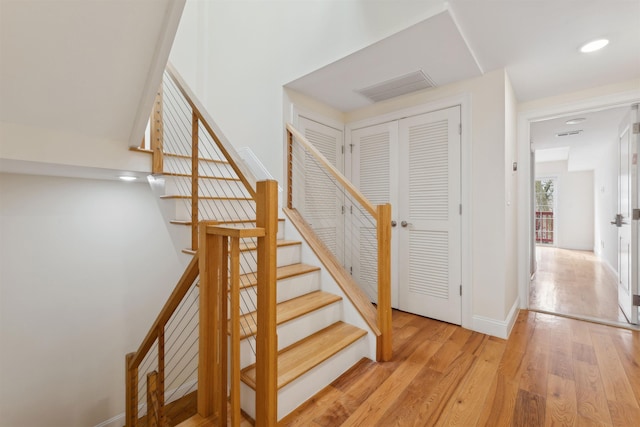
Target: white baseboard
497	328
119	420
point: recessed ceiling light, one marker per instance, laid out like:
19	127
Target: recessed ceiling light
575	121
594	45
127	178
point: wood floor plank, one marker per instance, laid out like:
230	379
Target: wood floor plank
591	398
624	415
530	410
500	403
616	384
562	407
379	401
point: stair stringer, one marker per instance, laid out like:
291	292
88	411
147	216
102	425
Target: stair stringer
328	284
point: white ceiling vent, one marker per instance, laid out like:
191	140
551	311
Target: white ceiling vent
569	133
402	85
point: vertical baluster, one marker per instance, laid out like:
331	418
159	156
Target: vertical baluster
223	292
156	133
289	169
160	380
131	392
194	180
235	332
210	251
153	407
266	338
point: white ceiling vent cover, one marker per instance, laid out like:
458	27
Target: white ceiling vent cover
402	85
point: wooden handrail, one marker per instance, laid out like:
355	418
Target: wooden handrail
364	202
188	277
227	149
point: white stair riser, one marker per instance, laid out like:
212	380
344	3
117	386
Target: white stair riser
215	209
295	330
288	288
303	388
287	255
208	187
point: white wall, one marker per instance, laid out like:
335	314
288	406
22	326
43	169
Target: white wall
575	205
85	266
511	205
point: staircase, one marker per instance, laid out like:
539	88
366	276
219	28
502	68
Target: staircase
315	345
314	322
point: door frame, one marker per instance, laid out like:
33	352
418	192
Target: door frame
464	101
525	197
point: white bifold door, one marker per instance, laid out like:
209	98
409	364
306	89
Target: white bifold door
420	161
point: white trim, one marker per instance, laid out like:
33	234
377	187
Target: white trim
524	159
298	111
464	101
497	328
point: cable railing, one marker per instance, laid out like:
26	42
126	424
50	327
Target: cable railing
346	225
184	356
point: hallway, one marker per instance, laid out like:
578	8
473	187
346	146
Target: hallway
574	283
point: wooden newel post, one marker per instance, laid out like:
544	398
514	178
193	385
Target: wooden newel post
384	349
131	392
156	134
153	406
266	338
210	276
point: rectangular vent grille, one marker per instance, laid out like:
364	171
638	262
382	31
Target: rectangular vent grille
402	85
569	133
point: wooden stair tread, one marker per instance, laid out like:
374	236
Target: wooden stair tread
185	196
249	279
235	221
308	353
252	246
288	310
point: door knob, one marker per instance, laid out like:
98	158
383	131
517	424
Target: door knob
404	223
393	223
618	221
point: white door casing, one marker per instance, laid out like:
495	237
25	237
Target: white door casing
429	213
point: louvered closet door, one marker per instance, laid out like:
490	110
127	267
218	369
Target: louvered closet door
322	200
373	160
429	191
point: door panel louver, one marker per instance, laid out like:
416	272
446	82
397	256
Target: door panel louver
429	171
375	168
429	261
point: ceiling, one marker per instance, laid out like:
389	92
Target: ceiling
122	45
536	41
581	150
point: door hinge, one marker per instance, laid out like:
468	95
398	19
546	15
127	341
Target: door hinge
636	128
342	209
351	271
460	290
351	209
636	214
351	147
460	208
460	129
636	300
342	149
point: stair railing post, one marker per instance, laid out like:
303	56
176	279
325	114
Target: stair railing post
289	169
156	135
210	276
266	338
153	405
384	348
131	392
194	180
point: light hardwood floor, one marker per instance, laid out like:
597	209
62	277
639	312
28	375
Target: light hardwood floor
552	371
574	283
